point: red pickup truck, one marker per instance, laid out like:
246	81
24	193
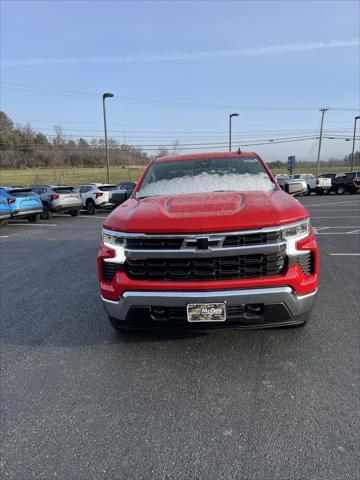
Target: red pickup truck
207	241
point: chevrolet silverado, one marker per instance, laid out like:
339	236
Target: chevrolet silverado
208	240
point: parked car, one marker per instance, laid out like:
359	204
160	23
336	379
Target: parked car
310	181
346	182
22	203
58	199
208	240
324	183
95	195
122	192
5	212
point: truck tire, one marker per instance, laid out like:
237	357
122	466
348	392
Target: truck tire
34	218
46	213
90	207
74	213
340	189
308	192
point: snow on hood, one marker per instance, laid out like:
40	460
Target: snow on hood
207	182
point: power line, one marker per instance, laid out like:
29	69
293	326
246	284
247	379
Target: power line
92	95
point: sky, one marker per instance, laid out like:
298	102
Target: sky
178	69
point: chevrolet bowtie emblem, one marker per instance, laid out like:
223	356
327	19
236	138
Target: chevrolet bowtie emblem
202	243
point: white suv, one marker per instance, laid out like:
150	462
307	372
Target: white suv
95	195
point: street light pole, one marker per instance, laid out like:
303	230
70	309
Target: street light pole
322	110
353	145
230	117
106	95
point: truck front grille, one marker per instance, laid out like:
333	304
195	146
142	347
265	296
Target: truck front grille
214	268
230	240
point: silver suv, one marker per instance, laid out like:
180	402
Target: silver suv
58	199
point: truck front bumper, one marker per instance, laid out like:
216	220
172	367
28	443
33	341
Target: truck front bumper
251	308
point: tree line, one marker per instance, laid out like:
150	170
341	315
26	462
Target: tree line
23	147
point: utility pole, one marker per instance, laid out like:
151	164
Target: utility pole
230	117
353	146
106	95
322	110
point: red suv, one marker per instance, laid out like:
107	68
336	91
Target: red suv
208	241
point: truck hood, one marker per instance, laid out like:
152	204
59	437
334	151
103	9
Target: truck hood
206	212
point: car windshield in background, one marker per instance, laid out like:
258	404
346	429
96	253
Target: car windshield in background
204	176
64	190
107	188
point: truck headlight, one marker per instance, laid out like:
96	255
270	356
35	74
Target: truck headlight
301	230
109	238
116	243
294	233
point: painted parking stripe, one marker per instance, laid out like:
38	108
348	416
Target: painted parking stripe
345	254
33	224
4	236
326	228
81	216
353	202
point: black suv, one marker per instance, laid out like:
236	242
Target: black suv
346	182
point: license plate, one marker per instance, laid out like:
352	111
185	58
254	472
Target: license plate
206	312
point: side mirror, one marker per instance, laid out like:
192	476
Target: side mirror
295	188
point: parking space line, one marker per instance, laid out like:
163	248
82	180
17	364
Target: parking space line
33	224
336	209
345	254
4	236
349	202
355	231
81	216
339	233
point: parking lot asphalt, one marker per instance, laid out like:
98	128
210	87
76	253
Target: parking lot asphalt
79	401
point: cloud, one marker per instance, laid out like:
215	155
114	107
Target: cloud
174	57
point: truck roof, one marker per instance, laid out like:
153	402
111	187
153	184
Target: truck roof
199	156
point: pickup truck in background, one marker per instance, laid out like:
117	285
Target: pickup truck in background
324	183
309	179
285	182
208	241
346	182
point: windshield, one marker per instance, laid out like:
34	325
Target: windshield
205	175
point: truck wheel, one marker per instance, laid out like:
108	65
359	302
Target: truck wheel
340	190
74	213
34	218
91	207
308	192
46	213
